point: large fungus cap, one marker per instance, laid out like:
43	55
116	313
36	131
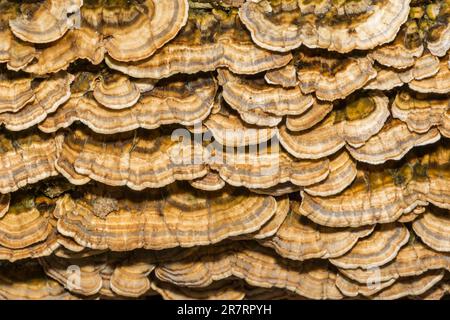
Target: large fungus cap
376	250
433	227
258	266
330	76
438	83
152	220
27	281
136	159
172	101
421	111
338	26
219	290
46	22
26	157
300	239
392	143
413	259
359	119
211	39
48	94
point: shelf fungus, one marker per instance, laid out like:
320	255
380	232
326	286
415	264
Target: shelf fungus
48	95
224	149
15	91
13	51
172	101
264	166
404	50
253	264
376	250
131	277
27	229
79	275
433	228
382	195
230	130
421	112
27	281
254	94
354	123
438	24
137	159
175	216
300	239
342	172
438	83
392	143
413	259
26	158
285	76
45	22
411	286
219	290
338	26
210	182
331	76
427	66
210	39
308	119
134	30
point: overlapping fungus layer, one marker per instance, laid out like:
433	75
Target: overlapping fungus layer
224	149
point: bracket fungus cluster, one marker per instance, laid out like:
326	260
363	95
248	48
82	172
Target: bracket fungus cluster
224	149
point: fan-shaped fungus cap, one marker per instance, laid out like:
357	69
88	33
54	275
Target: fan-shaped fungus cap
45	22
79	275
438	34
438	83
206	217
310	117
392	143
215	34
15	91
15	52
285	76
210	182
420	112
27	281
175	101
258	266
411	286
342	173
116	91
361	118
376	250
48	95
130	278
332	77
219	290
391	191
300	239
143	160
433	228
404	50
134	30
245	94
27	228
338	26
229	130
26	158
264	166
